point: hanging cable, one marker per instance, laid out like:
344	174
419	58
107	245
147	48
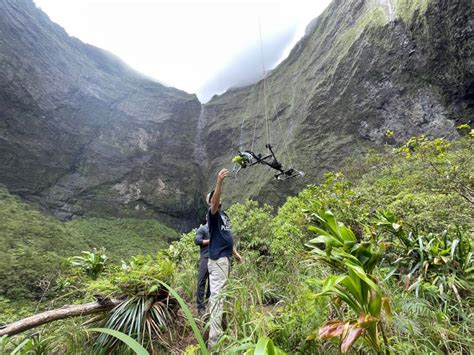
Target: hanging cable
249	158
264	84
256	116
285	140
244	118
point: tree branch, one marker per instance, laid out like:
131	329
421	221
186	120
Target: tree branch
56	314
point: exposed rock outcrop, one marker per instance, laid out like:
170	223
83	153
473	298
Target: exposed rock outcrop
82	133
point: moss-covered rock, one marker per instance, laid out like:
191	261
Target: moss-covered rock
363	68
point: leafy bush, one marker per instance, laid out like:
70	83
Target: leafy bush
34	246
427	184
437	266
250	227
138	276
295	320
93	263
403	234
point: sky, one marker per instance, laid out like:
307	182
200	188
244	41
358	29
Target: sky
202	47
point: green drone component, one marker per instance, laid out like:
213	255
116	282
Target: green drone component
240	160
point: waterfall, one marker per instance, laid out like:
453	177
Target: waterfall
200	154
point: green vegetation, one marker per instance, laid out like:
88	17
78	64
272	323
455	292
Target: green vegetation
406	9
375	17
138	276
376	260
92	263
129	341
426	184
34	247
122	237
353	284
379	258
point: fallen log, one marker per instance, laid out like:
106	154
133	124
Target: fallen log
101	305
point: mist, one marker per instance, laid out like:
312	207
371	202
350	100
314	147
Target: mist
246	67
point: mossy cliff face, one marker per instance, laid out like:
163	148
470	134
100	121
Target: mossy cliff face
83	134
363	68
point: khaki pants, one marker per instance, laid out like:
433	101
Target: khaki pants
218	275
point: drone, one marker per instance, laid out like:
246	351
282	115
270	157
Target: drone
248	158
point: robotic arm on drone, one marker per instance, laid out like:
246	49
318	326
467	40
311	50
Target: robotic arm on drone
248	158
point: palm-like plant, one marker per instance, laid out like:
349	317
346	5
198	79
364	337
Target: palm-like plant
149	311
337	246
144	318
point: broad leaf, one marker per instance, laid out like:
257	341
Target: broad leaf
387	309
366	320
132	343
331	329
359	271
264	347
453	248
347	234
375	303
332	281
353	333
317	230
331	222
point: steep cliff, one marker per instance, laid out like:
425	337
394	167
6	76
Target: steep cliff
363	68
83	134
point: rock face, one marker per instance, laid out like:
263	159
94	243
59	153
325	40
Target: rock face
362	69
83	134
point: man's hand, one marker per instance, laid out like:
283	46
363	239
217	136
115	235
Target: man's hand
239	258
222	175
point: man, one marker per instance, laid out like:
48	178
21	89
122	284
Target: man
202	292
221	248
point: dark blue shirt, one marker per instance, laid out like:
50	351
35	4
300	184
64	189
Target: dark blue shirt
202	233
221	242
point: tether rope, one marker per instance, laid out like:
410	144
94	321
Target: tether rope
244	118
285	140
264	84
256	117
263	90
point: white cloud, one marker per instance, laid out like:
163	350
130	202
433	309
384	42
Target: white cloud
182	43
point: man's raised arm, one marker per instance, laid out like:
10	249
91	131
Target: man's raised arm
216	196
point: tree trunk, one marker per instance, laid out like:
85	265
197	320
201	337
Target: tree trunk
55	314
